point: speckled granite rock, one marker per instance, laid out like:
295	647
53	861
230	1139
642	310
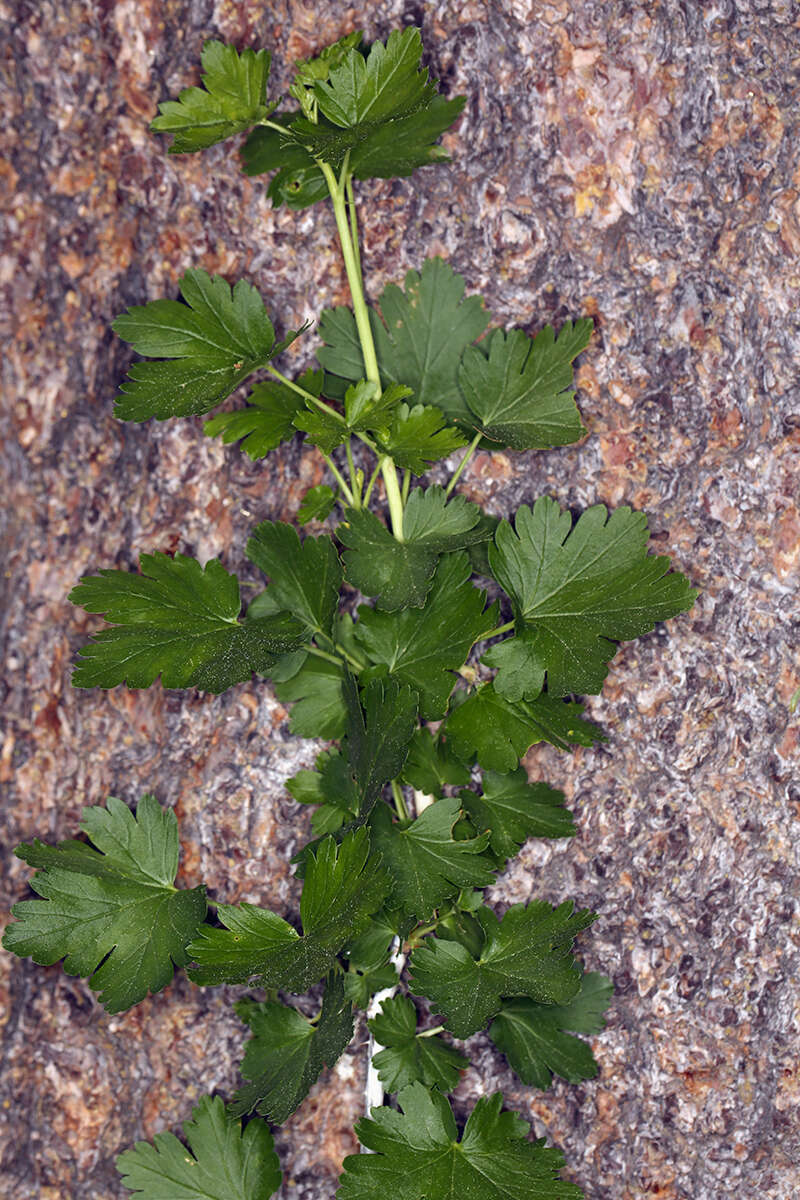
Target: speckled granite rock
635	161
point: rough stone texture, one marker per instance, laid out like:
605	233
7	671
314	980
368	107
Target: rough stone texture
634	161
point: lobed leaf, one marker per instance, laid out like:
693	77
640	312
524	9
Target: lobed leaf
111	910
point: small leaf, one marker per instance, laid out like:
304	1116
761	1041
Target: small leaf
500	733
343	887
223	1162
305	577
112	913
424	646
400	573
234	99
287	1053
408	1057
520	674
315	693
430	766
533	1040
318	504
418	437
266	420
512	809
519	388
527	953
426	864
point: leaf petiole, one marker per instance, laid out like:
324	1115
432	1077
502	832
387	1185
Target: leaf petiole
454	478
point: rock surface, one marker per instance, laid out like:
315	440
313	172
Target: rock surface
636	162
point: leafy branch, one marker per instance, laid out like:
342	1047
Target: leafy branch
429	694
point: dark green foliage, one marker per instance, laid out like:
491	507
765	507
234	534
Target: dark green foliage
409	1057
416	1155
112	913
287	1053
224	1162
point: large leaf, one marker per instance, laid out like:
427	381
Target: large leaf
409	1057
287	1053
208	346
581	590
424	860
520	389
343	887
232	99
223	1161
416	1155
424	646
499	733
180	621
533	1040
427	327
112	913
528	953
400	573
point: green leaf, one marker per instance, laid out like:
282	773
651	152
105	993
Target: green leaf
417	1155
381	111
299	182
360	985
513	809
180	621
364	409
409	1058
330	786
343	887
419	436
528	953
400	573
268	418
234	99
287	1053
315	693
223	1162
500	733
520	674
305	577
112	913
312	70
426	864
427	329
520	388
376	743
583	589
430	766
533	1040
424	646
211	343
318	504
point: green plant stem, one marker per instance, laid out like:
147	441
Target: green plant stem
338	658
399	801
331	658
372	479
496	632
454	478
361	314
343	654
354	484
309	396
340	479
406	486
431	1032
351	205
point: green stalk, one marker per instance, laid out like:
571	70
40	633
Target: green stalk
354	484
457	473
361	314
340	479
399	801
309	396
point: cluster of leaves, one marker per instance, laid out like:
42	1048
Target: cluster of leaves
369	634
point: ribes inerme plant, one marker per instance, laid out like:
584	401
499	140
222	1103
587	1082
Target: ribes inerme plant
367	629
